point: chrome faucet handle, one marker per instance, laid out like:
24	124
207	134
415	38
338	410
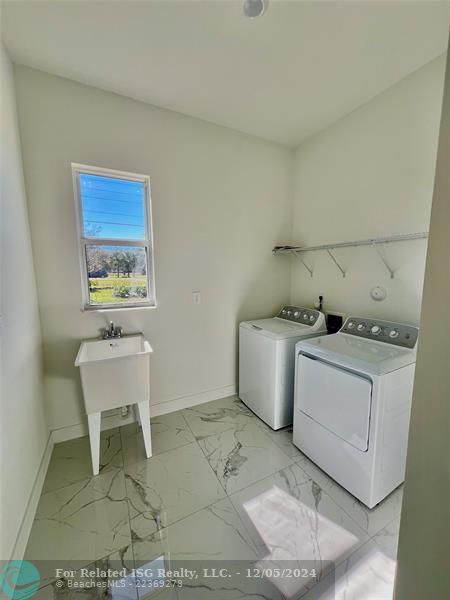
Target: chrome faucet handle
111	332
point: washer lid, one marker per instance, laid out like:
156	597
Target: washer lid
279	329
368	356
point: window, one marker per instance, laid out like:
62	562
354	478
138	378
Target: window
114	223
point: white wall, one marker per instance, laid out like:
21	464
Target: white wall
24	431
370	175
220	200
425	527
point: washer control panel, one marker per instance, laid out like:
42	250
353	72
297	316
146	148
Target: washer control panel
383	331
297	314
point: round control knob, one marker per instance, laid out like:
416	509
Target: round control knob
296	314
393	333
311	318
351	325
361	327
375	330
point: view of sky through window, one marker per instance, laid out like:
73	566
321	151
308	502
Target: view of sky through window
112	208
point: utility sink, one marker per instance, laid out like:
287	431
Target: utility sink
115	372
96	350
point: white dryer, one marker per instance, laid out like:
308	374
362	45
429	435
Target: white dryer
352	405
266	361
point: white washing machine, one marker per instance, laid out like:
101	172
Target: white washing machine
353	393
266	361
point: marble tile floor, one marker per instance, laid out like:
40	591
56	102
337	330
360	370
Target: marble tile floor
222	490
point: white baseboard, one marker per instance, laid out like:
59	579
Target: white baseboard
30	511
109	421
187	401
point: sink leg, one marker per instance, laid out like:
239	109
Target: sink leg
144	417
138	416
94	439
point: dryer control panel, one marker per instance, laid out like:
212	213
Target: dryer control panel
297	314
396	334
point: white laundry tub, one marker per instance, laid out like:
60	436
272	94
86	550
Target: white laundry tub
115	372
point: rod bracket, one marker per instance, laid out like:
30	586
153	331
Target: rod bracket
310	271
333	258
384	259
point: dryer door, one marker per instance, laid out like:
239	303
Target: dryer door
337	399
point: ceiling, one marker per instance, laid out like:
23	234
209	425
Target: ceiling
283	76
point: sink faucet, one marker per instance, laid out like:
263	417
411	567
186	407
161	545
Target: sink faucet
111	332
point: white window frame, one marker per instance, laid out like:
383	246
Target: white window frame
84	241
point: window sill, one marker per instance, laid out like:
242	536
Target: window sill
102	309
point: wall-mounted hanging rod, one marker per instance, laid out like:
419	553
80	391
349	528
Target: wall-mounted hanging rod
370	242
375	242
